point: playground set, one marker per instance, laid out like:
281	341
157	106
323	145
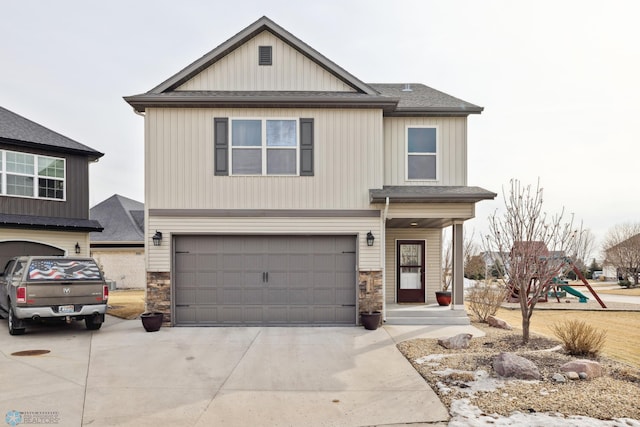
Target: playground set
558	287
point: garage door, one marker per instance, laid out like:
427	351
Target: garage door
265	280
18	247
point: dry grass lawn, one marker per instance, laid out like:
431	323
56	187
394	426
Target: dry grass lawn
635	292
126	303
623	334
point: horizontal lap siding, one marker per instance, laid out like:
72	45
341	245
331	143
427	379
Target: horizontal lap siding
65	240
368	258
433	239
180	170
452	149
432	210
291	71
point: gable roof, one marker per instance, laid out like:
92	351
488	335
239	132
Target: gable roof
15	129
122	219
420	101
248	33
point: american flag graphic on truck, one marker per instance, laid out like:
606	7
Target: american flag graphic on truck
52	269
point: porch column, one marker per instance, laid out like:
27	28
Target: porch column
457	293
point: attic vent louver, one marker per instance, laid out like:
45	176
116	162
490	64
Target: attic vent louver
264	55
407	88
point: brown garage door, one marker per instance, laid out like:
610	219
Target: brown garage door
265	280
18	247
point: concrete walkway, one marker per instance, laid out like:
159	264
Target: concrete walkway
124	376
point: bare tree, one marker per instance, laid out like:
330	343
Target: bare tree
533	243
622	250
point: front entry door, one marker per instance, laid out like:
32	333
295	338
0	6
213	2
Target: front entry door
410	267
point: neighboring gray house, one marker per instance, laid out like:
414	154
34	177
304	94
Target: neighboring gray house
119	249
44	190
286	190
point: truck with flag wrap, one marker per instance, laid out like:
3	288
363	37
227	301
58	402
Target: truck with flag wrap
39	288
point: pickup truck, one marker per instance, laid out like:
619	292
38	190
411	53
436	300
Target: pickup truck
37	288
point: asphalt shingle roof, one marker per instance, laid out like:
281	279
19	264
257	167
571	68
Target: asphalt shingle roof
122	219
49	223
16	128
429	194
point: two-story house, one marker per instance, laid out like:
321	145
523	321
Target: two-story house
281	189
44	191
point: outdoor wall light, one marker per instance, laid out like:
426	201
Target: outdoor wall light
370	238
157	238
77	247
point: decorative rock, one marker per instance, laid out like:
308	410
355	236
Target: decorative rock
498	323
582	375
573	376
589	367
559	378
456	342
512	365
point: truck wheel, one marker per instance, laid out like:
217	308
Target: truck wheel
13	323
91	324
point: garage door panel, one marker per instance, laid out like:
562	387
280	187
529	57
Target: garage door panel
309	280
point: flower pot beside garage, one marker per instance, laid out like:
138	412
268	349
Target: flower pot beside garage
151	321
371	321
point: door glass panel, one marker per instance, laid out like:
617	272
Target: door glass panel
410	266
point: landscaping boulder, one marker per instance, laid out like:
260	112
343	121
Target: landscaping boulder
591	368
456	342
559	378
498	323
514	366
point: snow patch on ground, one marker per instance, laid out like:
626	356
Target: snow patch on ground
464	414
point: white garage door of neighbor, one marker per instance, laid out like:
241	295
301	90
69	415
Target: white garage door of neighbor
265	280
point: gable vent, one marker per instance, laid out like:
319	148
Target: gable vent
264	55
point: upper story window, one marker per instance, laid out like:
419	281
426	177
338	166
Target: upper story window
282	147
30	175
422	153
264	147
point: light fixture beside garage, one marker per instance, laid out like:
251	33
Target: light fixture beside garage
157	238
370	238
77	248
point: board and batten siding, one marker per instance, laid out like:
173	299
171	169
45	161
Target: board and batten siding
179	170
452	150
290	71
65	240
367	258
433	243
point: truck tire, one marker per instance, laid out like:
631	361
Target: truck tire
91	323
14	323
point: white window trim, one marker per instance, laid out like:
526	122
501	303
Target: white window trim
263	147
406	153
4	173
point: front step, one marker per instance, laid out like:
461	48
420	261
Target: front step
400	314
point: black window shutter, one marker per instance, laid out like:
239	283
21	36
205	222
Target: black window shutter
221	145
306	147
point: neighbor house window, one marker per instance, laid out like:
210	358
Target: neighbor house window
422	153
264	147
29	175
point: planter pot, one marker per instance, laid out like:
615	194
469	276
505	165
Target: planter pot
443	297
151	321
371	321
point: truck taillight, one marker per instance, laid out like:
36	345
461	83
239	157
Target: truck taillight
21	294
105	292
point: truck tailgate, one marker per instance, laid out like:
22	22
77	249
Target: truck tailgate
65	293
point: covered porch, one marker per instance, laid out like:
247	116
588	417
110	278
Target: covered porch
413	220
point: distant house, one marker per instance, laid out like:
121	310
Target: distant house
44	191
119	249
284	190
622	261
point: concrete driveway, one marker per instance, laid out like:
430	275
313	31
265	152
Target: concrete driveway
124	376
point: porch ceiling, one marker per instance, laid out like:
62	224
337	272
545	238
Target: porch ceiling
418	222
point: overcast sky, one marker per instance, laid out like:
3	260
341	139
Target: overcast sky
559	80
